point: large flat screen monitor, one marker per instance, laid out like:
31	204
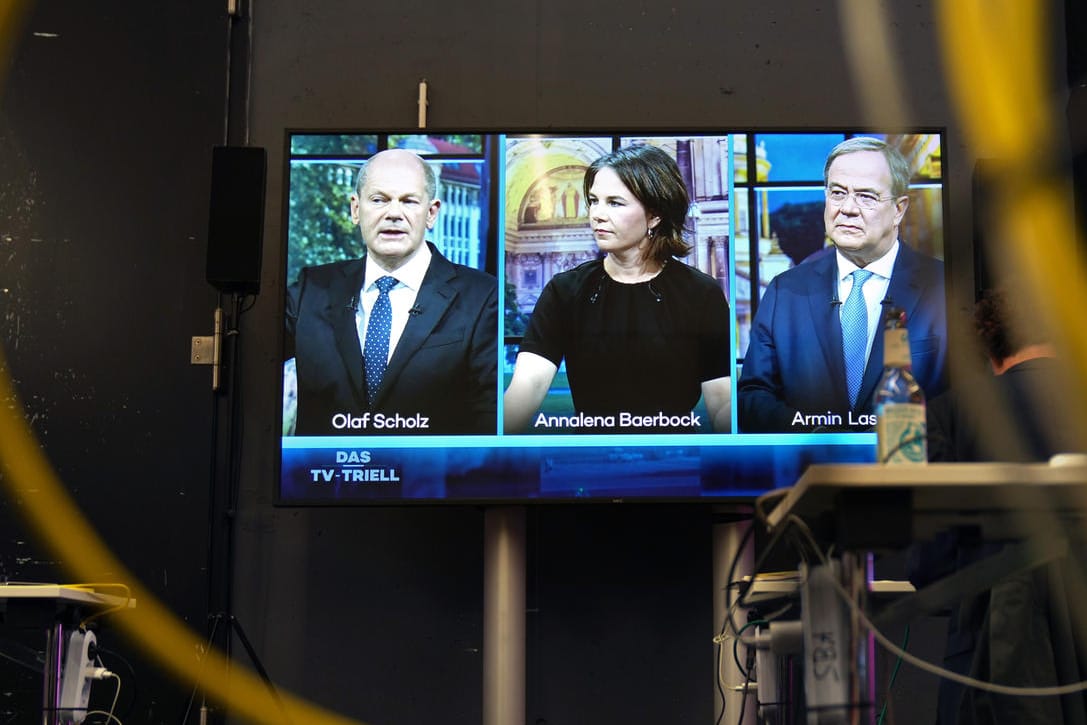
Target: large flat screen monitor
670	330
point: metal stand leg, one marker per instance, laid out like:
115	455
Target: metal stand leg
727	536
54	661
504	615
859	577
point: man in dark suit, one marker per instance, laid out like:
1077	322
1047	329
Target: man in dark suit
402	341
794	376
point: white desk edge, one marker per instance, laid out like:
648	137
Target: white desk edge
64	593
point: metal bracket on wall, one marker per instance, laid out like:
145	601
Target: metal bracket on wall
206	349
423	102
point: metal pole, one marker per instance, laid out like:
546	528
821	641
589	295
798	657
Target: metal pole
504	615
728	533
54	663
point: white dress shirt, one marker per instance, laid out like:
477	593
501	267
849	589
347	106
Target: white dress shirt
875	289
409	278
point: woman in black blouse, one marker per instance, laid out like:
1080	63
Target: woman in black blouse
644	335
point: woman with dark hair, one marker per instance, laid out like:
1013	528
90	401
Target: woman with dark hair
644	335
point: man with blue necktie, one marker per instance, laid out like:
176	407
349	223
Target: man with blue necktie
816	355
402	341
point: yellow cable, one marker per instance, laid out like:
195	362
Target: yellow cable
1001	88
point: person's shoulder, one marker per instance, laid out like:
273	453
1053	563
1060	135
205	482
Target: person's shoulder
462	273
577	276
815	264
683	284
575	283
818	258
319	273
475	276
923	271
1050	366
682	269
684	273
585	269
917	258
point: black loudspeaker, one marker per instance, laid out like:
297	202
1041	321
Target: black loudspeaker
236	221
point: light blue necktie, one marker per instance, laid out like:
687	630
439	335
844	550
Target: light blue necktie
375	351
855	335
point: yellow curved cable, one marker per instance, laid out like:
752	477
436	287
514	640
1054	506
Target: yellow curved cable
54	516
996	70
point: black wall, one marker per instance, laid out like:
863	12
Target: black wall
106	140
109	114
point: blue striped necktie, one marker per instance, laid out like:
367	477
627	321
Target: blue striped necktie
855	335
378	328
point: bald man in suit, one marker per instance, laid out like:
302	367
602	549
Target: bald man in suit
433	367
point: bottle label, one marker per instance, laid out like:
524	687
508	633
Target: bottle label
900	433
896	348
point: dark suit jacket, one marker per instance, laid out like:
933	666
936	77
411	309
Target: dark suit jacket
794	359
1019	416
444	367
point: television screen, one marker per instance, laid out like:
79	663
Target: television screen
604	315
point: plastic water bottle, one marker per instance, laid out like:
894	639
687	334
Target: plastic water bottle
899	400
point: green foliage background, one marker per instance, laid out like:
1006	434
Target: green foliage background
516	320
319	228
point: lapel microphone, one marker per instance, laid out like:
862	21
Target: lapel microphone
352	303
599	288
415	310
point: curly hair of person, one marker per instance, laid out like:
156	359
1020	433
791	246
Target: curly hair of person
1005	325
